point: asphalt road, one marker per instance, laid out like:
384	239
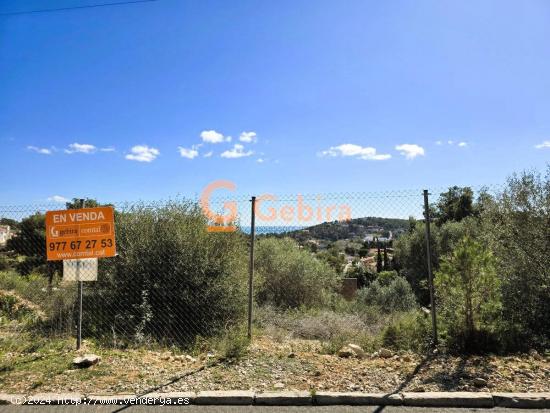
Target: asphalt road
253	409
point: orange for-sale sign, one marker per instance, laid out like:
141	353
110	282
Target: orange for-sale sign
80	233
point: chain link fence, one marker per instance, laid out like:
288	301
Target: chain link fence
182	269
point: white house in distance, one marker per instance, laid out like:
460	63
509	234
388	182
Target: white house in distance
5	234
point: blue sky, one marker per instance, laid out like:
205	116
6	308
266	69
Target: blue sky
279	97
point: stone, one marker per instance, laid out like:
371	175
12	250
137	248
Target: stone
448	399
385	353
279	386
351	350
418	389
359	352
480	382
534	353
86	360
291	355
345	352
191	359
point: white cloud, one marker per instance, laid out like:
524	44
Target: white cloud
438	143
58	198
462	144
211	136
208	154
143	153
108	149
43	151
248	137
236	152
188	153
260	160
410	150
356	151
81	148
545	144
450	142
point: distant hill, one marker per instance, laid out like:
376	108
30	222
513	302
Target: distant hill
358	227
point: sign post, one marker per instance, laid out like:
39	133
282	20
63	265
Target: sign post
80	294
79	237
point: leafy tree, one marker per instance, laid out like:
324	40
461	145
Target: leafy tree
516	224
364	250
412	225
334	258
364	276
11	222
76	204
410	251
290	277
172	280
454	205
350	250
389	293
468	294
30	244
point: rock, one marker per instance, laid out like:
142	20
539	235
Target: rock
480	382
191	359
533	353
351	350
385	353
291	355
86	360
418	389
279	386
345	352
359	352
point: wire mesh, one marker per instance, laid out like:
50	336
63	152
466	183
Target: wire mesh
177	276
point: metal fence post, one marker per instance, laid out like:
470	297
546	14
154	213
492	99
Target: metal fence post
251	266
429	263
79	324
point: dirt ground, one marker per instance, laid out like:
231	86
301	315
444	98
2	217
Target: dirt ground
268	365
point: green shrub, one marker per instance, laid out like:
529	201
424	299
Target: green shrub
290	277
172	281
4	263
391	293
233	345
408	331
56	302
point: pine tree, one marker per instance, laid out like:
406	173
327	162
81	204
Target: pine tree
387	266
378	260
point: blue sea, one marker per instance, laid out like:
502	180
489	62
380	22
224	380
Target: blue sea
264	229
